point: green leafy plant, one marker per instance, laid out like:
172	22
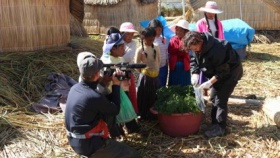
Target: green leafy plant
176	99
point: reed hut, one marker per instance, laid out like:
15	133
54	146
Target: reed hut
77	17
28	25
259	14
101	14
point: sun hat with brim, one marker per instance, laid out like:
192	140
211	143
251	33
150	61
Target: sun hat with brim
211	7
127	27
89	66
113	39
183	24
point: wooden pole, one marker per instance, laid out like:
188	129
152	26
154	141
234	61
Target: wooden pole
183	9
159	7
241	101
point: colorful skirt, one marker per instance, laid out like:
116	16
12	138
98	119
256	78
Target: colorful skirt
163	71
179	76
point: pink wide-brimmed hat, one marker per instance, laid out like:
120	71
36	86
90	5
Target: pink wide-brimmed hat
127	27
211	7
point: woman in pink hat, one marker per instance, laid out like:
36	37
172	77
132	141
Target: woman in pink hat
128	29
209	23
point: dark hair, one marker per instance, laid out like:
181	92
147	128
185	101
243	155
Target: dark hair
156	23
148	32
216	24
113	29
192	38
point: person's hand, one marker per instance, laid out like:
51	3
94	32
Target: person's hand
115	79
194	79
205	85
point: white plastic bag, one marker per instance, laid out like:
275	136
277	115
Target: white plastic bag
199	98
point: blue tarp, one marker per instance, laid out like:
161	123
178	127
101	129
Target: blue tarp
238	33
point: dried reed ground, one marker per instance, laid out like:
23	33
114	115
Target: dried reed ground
250	132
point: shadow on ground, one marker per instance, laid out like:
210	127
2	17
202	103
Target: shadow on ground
7	134
261	56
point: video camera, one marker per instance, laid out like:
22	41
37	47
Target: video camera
109	69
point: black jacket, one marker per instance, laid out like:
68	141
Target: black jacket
84	108
217	59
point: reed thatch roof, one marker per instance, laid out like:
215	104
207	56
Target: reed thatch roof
195	4
274	4
111	2
77	17
77	9
101	2
77	28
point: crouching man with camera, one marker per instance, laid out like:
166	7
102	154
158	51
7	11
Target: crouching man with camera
87	110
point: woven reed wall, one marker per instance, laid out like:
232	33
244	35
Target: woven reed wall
28	25
255	12
77	28
77	9
98	18
274	4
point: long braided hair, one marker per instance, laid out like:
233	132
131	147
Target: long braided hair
216	24
148	32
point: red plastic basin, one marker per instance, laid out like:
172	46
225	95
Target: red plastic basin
179	125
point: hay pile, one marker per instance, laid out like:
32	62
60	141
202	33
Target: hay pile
23	75
266	36
27	134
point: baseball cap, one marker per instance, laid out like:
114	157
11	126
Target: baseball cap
81	57
89	66
113	39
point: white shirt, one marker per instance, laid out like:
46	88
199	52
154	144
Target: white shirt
212	26
130	49
109	59
163	50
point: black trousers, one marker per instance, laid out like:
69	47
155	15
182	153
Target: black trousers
219	98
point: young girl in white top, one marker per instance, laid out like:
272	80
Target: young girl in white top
148	82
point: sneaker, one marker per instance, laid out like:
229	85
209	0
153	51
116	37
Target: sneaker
215	131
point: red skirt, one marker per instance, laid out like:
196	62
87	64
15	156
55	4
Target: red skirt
133	94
